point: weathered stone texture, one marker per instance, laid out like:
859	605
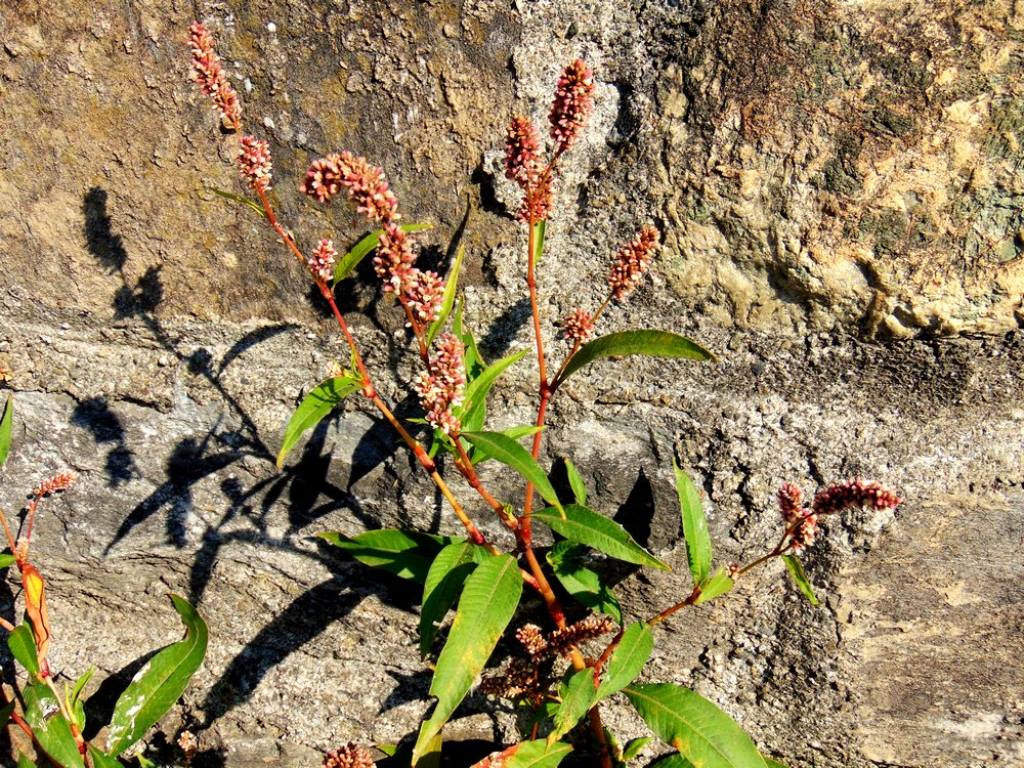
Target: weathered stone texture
840	186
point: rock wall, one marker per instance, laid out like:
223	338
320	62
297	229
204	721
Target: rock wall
840	185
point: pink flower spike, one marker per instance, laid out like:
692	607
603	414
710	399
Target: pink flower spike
857	493
578	326
254	163
791	500
321	260
632	261
209	75
522	143
574	101
424	294
441	385
394	260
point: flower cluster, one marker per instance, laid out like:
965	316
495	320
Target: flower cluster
55	484
632	261
321	260
440	386
209	74
349	756
574	100
366	185
424	295
578	326
522	143
254	163
394	260
560	642
803	522
856	493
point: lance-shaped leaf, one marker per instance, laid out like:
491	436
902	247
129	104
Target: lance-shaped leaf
796	572
365	247
448	299
643	342
585	526
566	560
489	600
472	358
695	526
102	759
527	754
699	730
157	686
406	554
320	401
441	588
715	585
509	452
6	560
23	648
6	427
537	235
515	433
627	660
50	729
578	694
633	747
579	488
247	202
473	411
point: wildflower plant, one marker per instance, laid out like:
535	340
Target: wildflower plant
563	672
45	708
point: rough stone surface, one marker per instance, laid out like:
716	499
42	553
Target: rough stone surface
840	187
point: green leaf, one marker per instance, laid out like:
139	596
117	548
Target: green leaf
102	759
472	412
441	588
695	526
6	425
249	203
796	571
489	600
634	746
512	454
51	730
24	762
627	659
365	247
513	433
672	761
699	730
23	648
160	682
713	586
772	763
406	554
578	694
74	701
579	489
643	342
537	234
472	358
320	401
584	585
534	754
448	300
588	527
6	560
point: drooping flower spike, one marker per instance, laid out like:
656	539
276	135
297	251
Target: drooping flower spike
208	72
367	186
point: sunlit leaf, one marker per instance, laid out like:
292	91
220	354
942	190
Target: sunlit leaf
634	746
472	358
24	762
642	342
512	454
537	235
577	694
627	660
696	728
715	585
247	202
772	763
347	264
528	754
695	526
585	526
579	489
102	759
6	425
796	572
583	584
6	560
514	433
406	554
672	761
320	401
443	583
52	732
23	648
448	300
157	686
472	412
489	600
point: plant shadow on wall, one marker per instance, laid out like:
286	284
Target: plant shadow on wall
304	487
